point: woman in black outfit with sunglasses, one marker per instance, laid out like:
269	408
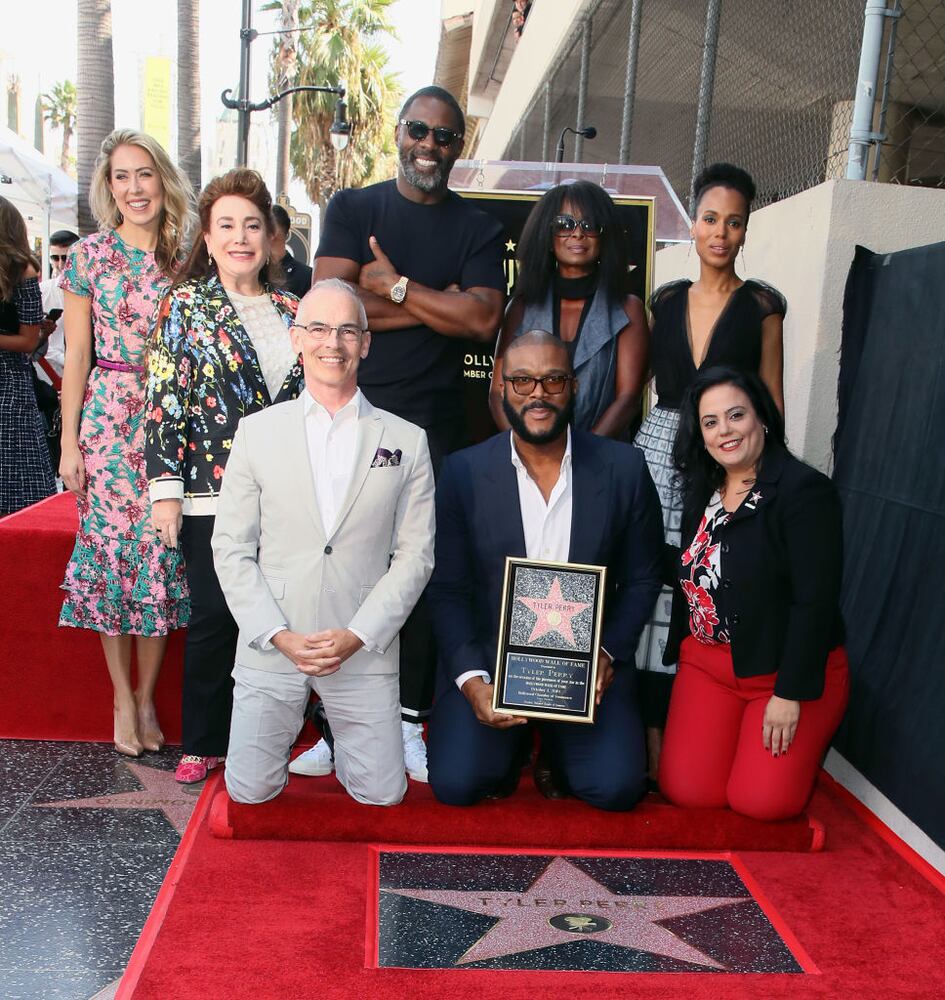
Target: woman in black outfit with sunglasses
573	282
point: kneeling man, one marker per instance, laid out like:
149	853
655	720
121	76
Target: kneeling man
323	544
543	492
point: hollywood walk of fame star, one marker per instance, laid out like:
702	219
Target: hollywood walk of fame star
160	791
564	893
554	613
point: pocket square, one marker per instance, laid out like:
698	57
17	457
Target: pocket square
383	457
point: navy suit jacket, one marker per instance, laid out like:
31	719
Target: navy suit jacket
616	522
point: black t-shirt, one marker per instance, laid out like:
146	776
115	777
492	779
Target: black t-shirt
298	276
416	372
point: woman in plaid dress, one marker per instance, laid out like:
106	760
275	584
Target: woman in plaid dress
25	470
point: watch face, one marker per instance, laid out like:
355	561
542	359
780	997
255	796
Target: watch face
398	293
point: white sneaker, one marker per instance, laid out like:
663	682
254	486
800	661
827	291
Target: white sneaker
313	762
415	751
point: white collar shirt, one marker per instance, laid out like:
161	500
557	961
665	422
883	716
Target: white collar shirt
332	448
546	526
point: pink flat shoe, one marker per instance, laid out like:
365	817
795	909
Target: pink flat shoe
192	769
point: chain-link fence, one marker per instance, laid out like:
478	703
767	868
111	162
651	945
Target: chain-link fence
767	86
910	112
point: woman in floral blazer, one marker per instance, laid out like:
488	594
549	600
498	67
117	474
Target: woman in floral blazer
221	350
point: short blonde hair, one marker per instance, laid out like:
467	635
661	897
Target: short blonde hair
177	214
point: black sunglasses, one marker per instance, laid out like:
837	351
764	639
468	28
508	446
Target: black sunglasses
565	224
420	130
58	256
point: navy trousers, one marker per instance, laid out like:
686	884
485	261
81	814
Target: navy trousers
603	764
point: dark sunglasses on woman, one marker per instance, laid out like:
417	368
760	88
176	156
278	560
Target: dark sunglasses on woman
420	130
565	224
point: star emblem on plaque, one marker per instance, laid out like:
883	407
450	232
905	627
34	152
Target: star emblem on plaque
627	913
549	638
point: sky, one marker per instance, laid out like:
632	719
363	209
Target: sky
42	56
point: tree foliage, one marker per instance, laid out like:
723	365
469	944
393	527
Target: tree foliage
59	109
340	45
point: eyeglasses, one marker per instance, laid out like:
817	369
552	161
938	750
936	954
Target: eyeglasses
59	257
565	224
347	332
420	130
524	385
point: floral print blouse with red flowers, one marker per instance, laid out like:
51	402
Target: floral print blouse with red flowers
701	575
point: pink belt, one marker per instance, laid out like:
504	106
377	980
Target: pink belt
117	366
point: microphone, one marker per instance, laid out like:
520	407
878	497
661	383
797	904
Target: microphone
589	132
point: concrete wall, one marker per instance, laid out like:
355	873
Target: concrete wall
804	246
539	47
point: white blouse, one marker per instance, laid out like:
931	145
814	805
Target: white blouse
271	340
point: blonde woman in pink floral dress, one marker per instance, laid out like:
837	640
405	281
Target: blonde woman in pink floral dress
121	581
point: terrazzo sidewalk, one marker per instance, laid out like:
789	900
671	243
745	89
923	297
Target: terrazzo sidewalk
86	837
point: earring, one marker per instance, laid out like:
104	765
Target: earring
689	251
209	257
766	430
744	260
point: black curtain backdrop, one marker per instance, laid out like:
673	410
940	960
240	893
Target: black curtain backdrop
890	469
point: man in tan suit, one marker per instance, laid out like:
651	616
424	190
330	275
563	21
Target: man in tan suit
323	543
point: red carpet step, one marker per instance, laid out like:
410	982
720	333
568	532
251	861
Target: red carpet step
320	809
54	679
287	919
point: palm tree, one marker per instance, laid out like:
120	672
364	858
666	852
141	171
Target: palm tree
341	47
188	89
95	94
59	109
281	76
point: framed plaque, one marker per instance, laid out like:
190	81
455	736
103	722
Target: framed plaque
549	637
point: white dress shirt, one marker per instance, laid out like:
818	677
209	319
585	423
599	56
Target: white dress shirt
332	448
546	526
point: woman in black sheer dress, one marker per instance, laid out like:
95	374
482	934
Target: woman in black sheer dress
719	319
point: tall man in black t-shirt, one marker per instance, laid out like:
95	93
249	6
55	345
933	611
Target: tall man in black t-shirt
428	266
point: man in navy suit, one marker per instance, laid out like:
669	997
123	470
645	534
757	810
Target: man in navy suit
543	492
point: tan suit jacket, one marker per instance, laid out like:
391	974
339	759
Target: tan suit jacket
276	563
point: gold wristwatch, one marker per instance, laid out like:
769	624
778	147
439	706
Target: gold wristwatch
399	291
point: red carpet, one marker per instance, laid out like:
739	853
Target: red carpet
58	674
288	919
319	808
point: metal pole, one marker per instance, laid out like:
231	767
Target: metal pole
630	82
713	12
582	88
862	135
242	128
895	14
546	124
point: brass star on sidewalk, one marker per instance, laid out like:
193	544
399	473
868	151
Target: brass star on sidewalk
565	904
160	791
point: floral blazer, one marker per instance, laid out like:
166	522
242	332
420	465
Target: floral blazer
203	378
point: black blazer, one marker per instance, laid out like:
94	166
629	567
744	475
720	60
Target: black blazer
782	561
616	522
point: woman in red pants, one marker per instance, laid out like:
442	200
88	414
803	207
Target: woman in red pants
763	679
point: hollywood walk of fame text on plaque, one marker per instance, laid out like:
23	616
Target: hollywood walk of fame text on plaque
549	637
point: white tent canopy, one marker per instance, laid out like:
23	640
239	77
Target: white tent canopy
45	195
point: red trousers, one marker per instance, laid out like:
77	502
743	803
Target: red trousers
713	755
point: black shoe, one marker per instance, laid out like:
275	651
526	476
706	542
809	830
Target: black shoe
315	713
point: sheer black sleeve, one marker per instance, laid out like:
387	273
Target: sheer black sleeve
770	301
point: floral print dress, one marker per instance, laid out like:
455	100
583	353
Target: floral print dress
121	580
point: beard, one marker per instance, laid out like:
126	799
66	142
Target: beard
419	179
517	419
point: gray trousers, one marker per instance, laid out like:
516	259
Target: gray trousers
364	714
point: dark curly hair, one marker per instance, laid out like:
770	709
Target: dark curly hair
536	258
726	175
698	475
246	184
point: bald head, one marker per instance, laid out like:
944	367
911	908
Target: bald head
525	350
